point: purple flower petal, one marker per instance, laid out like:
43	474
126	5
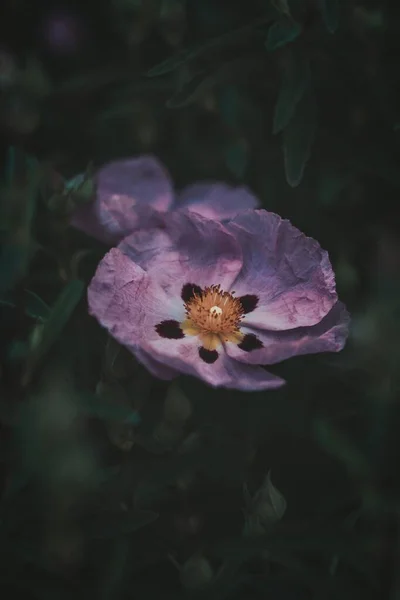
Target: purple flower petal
183	355
329	335
289	273
129	303
216	200
150	294
130	194
156	368
190	249
126	301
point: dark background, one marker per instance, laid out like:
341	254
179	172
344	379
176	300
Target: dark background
299	100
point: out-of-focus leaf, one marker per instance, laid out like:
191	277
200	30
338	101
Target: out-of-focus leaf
17	481
17	247
330	184
330	14
18	350
281	33
196	573
112	580
98	407
35	78
236	158
191	90
172	63
229	104
41	590
351	548
35	307
342	448
193	87
91	80
298	138
53	326
295	79
109	525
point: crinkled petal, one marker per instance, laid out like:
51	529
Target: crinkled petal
216	200
288	272
127	302
329	335
130	194
130	304
183	355
190	249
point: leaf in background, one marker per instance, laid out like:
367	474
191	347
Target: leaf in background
236	158
233	70
191	90
109	525
35	307
298	138
18	207
342	448
281	33
331	183
112	579
228	99
99	408
120	433
295	79
281	541
172	63
330	14
51	329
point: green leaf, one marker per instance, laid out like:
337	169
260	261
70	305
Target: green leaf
111	582
281	541
51	329
35	307
191	90
114	524
172	63
95	406
193	86
18	248
236	156
330	14
281	33
295	79
298	138
342	448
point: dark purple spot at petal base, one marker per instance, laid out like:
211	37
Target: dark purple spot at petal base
170	329
189	290
250	342
209	356
248	302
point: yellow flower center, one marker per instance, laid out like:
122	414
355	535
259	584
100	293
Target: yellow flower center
215	316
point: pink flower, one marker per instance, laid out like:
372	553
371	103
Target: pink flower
217	300
136	193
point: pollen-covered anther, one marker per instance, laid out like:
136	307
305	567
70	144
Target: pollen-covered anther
215	316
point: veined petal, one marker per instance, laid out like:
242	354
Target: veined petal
329	335
190	249
288	272
126	301
183	355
